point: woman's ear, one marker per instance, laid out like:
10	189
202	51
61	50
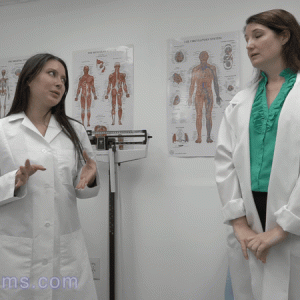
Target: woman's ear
285	36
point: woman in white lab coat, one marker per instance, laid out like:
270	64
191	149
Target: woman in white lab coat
45	164
258	163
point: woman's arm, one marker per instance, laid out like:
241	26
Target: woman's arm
87	184
226	176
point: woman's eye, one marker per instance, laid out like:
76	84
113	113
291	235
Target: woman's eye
51	73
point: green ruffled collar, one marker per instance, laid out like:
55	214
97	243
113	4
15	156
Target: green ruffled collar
260	113
286	73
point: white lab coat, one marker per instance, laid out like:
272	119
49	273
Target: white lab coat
40	234
279	278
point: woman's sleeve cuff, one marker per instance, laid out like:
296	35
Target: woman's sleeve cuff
233	209
287	220
7	188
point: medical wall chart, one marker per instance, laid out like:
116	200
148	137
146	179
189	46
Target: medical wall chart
203	76
103	88
10	70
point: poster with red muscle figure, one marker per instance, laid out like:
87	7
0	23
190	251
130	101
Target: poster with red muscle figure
103	88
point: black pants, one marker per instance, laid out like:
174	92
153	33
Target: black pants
260	199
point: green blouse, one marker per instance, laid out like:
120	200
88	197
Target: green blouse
263	130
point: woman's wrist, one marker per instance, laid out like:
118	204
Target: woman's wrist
280	232
239	222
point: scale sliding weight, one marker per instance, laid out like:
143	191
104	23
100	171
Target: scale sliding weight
116	147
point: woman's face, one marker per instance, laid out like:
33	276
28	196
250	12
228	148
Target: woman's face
264	46
48	87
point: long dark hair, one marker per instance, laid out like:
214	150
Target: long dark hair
281	21
31	69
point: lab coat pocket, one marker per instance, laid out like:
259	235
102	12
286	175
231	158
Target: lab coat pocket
67	166
15	256
73	253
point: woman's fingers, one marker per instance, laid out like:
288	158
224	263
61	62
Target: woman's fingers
18	184
263	256
37	168
27	165
253	245
81	184
21	177
31	169
244	249
259	249
23	172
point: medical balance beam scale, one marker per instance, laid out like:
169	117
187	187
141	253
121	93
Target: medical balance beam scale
116	147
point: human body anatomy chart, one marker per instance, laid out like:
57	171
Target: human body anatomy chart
103	88
203	76
9	75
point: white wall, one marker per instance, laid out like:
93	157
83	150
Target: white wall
173	237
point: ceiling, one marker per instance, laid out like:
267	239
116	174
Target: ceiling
11	2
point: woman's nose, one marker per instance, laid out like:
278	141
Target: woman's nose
249	44
59	83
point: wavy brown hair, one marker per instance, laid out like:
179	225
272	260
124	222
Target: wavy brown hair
280	21
30	70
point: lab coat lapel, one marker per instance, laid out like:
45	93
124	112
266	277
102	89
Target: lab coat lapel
53	130
241	129
285	172
240	125
27	123
242	163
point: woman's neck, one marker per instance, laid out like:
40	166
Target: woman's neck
273	72
38	117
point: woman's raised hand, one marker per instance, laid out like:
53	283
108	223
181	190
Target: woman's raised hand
25	172
88	172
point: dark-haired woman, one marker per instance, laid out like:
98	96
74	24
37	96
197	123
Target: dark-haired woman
45	164
258	164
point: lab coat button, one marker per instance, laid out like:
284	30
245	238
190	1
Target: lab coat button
44	150
45	262
47	224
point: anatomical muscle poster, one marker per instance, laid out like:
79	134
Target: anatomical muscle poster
203	76
103	88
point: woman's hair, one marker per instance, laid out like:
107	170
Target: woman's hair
31	69
281	21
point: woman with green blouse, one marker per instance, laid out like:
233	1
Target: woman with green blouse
258	164
262	131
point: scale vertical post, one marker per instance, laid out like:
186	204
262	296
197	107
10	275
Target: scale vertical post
112	190
108	153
